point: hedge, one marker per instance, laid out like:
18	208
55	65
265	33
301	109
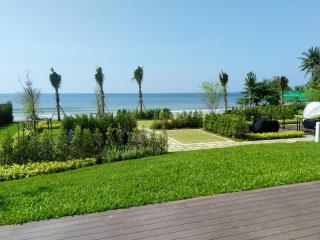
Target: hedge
229	125
32	169
6	115
192	119
275	135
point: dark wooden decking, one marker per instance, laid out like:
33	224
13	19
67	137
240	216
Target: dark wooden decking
287	212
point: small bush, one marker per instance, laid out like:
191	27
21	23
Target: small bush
141	144
275	135
152	114
182	120
229	125
32	169
6	113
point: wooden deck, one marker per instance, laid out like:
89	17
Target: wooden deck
287	212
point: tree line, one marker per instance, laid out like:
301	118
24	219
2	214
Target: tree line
267	91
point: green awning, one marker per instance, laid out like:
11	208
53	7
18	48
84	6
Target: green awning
293	96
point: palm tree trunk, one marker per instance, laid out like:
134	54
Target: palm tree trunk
102	100
58	104
140	99
225	100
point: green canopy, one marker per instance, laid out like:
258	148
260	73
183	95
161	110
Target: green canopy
293	96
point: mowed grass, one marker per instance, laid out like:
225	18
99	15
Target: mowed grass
145	123
194	136
158	179
10	128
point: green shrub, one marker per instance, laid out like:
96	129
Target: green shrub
278	112
229	125
40	168
120	125
6	113
275	135
62	149
141	144
152	114
182	120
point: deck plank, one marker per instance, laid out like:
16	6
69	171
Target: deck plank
285	212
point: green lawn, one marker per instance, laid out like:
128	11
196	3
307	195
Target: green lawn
158	179
145	123
194	136
8	128
12	129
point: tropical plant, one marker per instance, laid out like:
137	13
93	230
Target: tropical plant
311	65
250	82
282	82
99	76
30	99
211	93
55	80
138	77
223	76
310	60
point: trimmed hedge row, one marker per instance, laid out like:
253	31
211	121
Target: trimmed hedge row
182	120
32	169
229	125
152	114
6	113
273	112
275	135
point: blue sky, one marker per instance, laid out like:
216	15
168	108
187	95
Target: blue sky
180	43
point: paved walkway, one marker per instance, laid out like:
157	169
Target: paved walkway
279	213
175	146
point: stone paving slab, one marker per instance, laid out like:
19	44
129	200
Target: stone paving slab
175	146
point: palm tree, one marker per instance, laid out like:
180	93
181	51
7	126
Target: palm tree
138	76
282	82
223	76
250	83
310	60
55	80
99	76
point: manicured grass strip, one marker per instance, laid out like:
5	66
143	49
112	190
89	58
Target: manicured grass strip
10	128
145	123
158	179
194	136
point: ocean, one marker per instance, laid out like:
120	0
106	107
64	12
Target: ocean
77	103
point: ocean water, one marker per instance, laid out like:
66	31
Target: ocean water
77	103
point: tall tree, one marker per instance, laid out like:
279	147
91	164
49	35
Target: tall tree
211	93
282	82
310	60
99	76
311	65
250	82
223	76
55	80
138	77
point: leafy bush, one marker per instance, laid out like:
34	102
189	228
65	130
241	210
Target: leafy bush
141	144
152	114
229	125
32	169
115	129
275	135
273	112
38	148
6	115
182	120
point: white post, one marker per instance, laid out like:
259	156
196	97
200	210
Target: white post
317	135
